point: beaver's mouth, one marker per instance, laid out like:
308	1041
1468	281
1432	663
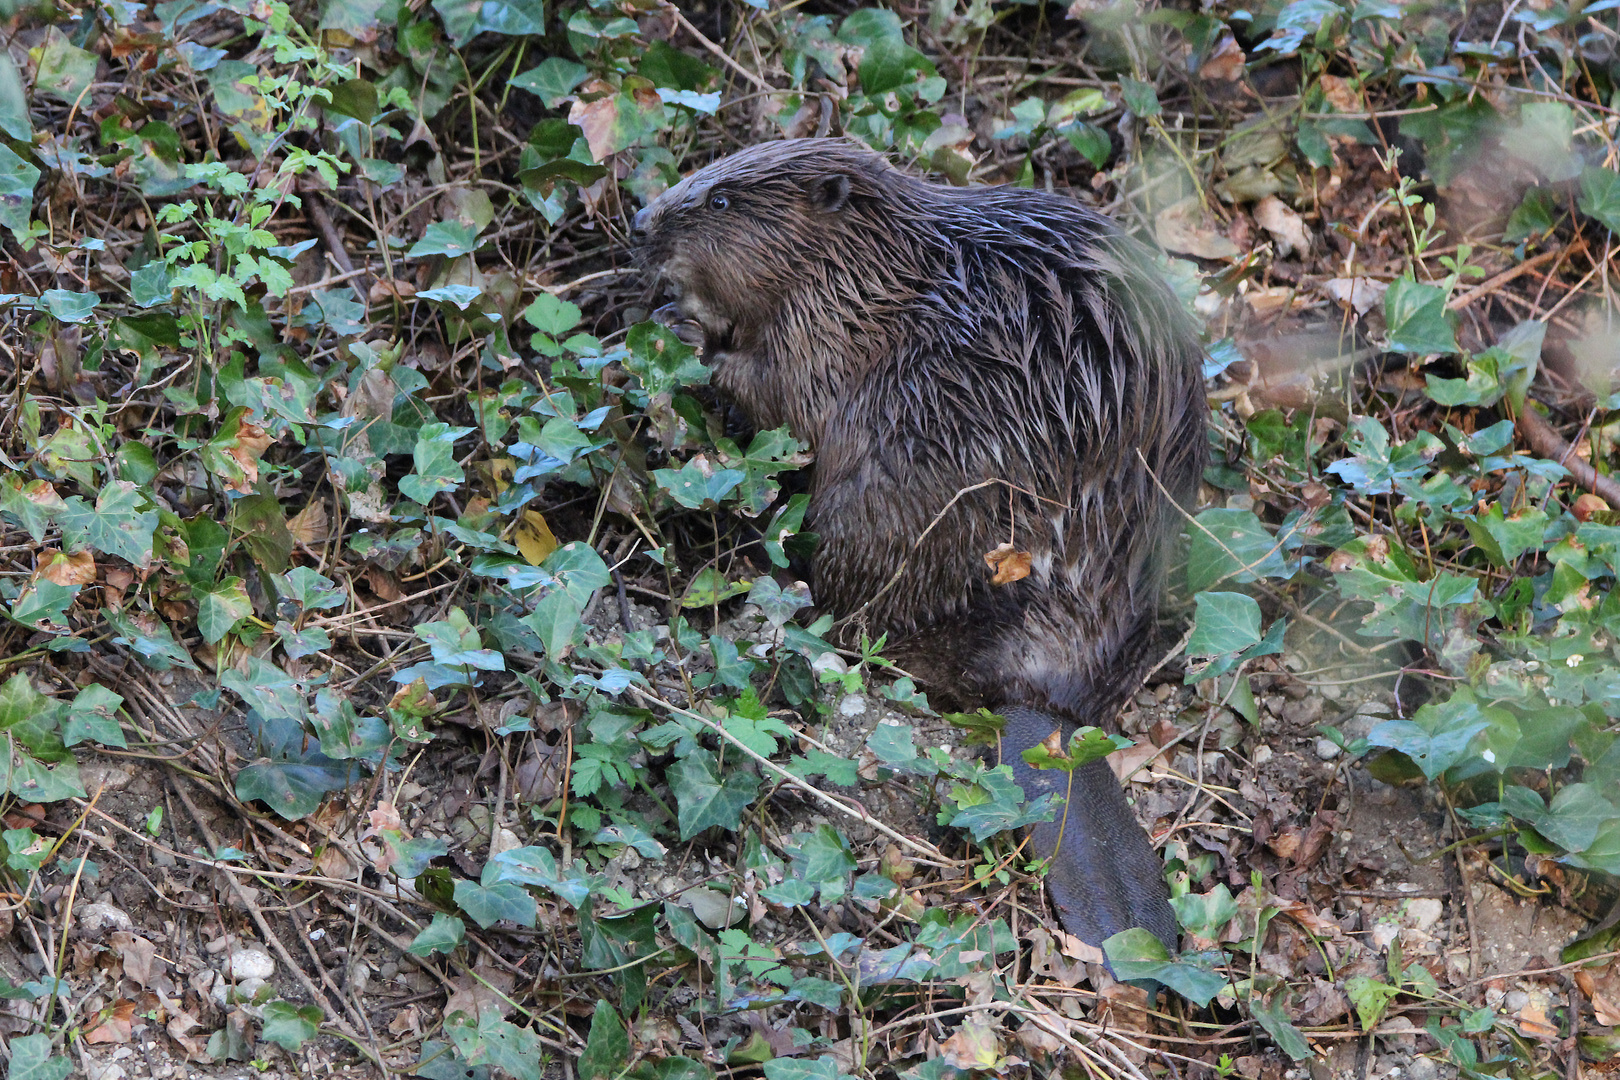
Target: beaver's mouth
689	315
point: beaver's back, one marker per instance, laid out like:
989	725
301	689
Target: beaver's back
1044	356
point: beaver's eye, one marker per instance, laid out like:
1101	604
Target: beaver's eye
719	202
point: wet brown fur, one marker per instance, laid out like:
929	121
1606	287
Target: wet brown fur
924	339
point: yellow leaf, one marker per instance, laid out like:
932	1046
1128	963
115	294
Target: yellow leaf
534	537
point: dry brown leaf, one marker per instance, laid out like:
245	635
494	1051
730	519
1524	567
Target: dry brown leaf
492	989
1340	94
1129	762
384	584
309	525
1284	224
138	954
384	817
1532	1020
383	290
1226	62
1039	1034
1266	302
333	863
115	1024
67	570
1007	565
596	118
407	1022
1358	293
1186	228
1588	504
245	446
1601	985
973	1047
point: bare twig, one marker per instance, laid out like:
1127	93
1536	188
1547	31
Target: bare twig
1546	441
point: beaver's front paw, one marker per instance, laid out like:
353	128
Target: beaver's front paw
689	331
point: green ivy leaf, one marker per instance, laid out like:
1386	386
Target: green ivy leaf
1136	955
1417	319
411	857
434	458
1600	196
1231	546
1370	997
33	780
497	1042
661	360
466	19
442	935
31	1059
291	789
1272	1016
697	484
1226	623
68	306
1140	97
221	607
289	1026
1437	736
824	1067
1205	914
554	79
44	602
311	591
548	314
489	904
703	799
148	637
63	70
1091	141
1535	215
17	180
607	1048
268	689
537	866
455	641
1578	812
119	524
451	239
93	714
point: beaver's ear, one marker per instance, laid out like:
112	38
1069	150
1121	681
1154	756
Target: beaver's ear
829	193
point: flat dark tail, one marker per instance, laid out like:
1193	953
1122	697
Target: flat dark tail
1105	877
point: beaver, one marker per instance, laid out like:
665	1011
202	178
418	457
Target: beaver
972	367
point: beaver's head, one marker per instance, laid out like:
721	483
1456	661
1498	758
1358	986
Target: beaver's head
735	241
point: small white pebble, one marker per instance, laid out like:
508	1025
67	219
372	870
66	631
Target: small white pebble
1326	749
1262	754
251	964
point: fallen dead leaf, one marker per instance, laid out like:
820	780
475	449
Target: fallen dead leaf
1226	62
1360	294
1272	301
1284	224
139	956
1186	228
309	525
245	446
115	1024
1340	94
1007	565
67	570
973	1047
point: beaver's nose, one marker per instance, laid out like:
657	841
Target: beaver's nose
639	223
